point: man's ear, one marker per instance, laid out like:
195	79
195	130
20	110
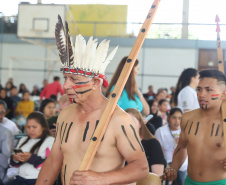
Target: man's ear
96	82
223	95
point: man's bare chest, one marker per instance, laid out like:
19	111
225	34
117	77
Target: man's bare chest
202	133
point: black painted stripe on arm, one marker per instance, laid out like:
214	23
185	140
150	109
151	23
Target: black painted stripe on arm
124	131
134	132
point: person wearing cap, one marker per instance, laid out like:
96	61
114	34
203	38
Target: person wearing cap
84	75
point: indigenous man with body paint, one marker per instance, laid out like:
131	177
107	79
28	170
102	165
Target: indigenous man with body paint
84	76
201	135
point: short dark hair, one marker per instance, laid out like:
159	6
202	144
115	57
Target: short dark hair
215	74
56	78
162	101
4	104
175	109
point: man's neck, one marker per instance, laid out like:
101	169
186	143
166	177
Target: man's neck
93	103
209	112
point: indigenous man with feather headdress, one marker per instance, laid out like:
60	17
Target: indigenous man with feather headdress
83	71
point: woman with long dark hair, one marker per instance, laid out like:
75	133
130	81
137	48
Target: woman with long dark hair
131	96
32	150
185	96
152	147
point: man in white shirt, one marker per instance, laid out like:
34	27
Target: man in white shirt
5	121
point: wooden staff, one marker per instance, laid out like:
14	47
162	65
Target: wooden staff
113	99
221	68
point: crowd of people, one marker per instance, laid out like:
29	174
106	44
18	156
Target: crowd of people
159	131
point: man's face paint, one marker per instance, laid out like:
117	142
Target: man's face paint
214	96
81	85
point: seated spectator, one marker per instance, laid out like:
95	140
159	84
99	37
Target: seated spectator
161	94
168	136
48	108
14	96
150	94
9	102
163	110
151	145
5	121
63	102
36	91
35	149
6	146
22	88
26	106
8	87
155	120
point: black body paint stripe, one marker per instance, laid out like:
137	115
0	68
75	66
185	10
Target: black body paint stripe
206	107
222	134
190	127
85	131
214	98
95	128
61	129
68	132
186	125
197	128
177	151
80	83
134	132
124	131
64	133
212	129
217	130
65	168
82	92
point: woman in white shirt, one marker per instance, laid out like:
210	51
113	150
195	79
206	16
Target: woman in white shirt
185	96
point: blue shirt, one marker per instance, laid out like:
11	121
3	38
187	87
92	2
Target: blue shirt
124	102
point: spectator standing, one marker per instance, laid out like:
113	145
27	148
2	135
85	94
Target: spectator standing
36	148
6	146
131	96
185	95
168	136
5	121
9	102
52	89
151	145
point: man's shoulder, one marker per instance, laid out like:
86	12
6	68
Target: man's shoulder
191	113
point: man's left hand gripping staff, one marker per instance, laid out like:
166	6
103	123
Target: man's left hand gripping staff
87	178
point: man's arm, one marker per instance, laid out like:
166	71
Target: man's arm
6	149
129	145
180	154
52	165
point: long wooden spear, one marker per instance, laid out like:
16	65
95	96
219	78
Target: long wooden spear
105	118
221	68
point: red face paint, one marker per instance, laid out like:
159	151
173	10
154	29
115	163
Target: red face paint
214	95
80	86
71	100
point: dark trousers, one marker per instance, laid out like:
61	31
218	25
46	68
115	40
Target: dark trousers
21	181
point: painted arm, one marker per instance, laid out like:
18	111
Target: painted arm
51	167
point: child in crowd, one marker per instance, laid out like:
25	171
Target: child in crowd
163	110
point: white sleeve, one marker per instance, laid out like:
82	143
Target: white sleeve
158	136
186	100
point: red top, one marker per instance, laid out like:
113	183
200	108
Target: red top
52	89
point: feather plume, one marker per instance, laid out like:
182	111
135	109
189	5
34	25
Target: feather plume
70	52
108	60
88	53
80	46
61	41
100	55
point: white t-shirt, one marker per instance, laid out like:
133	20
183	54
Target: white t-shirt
10	125
187	99
166	139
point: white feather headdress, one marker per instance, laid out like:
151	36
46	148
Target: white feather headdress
85	59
